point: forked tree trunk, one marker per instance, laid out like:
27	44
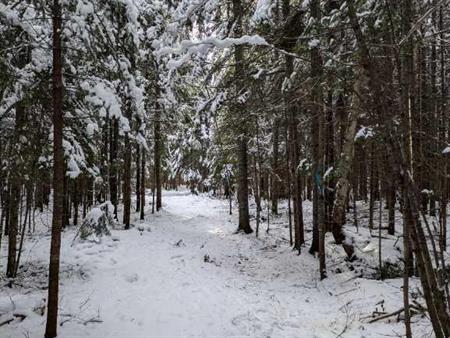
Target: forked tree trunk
344	167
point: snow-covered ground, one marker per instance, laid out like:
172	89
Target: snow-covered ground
185	273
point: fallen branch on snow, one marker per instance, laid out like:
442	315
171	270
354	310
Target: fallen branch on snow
415	309
14	316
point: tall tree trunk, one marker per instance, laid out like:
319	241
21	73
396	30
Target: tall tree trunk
66	212
443	133
157	156
330	183
113	175
344	166
24	226
288	178
391	199
406	75
318	139
16	175
127	172
138	178
14	196
75	202
372	184
58	174
275	177
242	123
127	183
142	187
294	148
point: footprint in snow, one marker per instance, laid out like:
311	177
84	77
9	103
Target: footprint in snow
133	278
92	252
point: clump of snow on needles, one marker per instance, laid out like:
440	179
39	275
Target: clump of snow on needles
263	10
364	132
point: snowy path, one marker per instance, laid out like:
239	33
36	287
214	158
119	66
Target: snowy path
184	273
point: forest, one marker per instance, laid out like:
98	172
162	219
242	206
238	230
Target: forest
224	168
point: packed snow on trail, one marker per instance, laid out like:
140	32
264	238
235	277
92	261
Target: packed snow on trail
184	272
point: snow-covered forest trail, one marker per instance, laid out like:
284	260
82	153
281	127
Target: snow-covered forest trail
185	273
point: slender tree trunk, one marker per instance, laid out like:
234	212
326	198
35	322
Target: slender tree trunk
127	184
330	184
58	174
13	226
24	226
138	178
142	187
406	273
391	199
258	189
443	133
113	175
66	212
288	180
75	202
318	140
380	224
15	193
275	178
157	157
371	184
294	147
257	194
127	174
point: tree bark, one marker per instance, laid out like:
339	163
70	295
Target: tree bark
157	156
58	174
127	181
275	177
113	150
344	167
138	178
14	194
318	141
142	187
242	138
